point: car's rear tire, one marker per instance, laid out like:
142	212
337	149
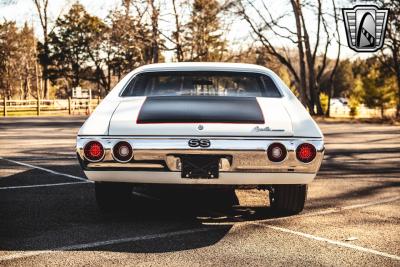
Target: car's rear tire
288	199
113	196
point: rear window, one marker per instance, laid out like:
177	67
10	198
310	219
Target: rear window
201	84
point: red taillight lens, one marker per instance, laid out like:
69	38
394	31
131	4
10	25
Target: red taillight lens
122	151
306	152
94	151
276	152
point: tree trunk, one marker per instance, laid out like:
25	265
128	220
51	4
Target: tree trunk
312	86
154	24
328	108
41	7
108	79
46	60
46	82
333	73
397	70
37	80
21	88
302	65
178	45
398	93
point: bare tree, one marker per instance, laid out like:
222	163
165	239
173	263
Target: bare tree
42	9
177	33
335	67
154	14
303	83
311	58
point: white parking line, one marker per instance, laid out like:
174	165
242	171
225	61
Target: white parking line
338	209
105	243
59	184
333	242
317	213
40	185
262	223
46	170
184	232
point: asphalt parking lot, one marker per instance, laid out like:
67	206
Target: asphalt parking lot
48	214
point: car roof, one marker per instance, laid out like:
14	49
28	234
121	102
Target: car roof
203	66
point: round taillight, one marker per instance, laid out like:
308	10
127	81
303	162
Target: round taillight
93	151
276	152
122	151
306	152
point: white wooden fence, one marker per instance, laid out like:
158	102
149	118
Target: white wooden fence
47	106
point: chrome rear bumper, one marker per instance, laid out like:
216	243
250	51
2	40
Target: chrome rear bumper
162	154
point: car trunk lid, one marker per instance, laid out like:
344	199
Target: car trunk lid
201	116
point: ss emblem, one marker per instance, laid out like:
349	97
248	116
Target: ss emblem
199	143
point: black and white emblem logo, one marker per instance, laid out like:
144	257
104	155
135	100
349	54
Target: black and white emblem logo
365	27
199	143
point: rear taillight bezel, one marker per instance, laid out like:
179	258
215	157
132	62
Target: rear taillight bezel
313	151
86	149
115	153
270	155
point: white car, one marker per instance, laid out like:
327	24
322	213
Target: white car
196	124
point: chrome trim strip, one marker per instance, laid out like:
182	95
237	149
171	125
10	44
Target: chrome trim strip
245	155
225	137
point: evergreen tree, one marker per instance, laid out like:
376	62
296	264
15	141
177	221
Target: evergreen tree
18	76
128	43
379	91
27	59
204	40
74	47
8	51
344	79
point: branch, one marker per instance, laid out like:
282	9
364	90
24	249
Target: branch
324	59
318	31
268	46
269	24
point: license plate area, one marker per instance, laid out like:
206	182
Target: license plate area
200	166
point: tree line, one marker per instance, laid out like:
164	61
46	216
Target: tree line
81	49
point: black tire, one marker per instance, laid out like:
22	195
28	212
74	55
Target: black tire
288	199
113	196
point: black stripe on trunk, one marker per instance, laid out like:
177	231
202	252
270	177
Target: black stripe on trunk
200	109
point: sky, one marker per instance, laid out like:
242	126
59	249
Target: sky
23	11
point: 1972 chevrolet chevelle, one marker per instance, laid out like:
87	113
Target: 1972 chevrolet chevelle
194	124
